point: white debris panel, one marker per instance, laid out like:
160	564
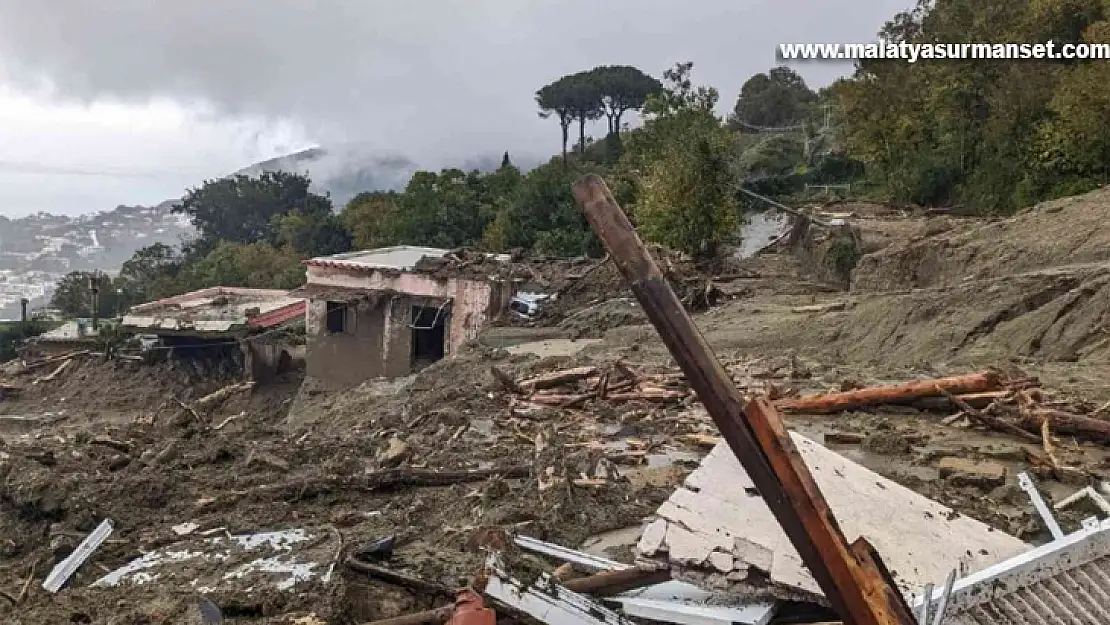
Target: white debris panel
251	562
1065	581
717	532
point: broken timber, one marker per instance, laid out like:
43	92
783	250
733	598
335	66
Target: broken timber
918	389
852	578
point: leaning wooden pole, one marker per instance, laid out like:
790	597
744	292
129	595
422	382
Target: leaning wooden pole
851	577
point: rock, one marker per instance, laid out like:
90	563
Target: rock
888	444
1004	451
843	438
118	462
395	453
267	459
964	472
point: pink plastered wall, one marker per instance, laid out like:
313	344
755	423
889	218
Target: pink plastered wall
471	299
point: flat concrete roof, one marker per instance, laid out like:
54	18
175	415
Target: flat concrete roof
403	257
398	257
218	309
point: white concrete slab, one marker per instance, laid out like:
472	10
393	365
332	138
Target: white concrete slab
717	532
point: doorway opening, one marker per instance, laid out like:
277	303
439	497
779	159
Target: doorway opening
429	333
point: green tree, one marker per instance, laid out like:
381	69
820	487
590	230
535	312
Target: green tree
687	200
312	234
991	136
622	88
73	295
151	273
369	217
775	99
250	265
554	101
543	217
771	155
241	209
583	92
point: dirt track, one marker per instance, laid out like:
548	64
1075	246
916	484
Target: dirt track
1026	293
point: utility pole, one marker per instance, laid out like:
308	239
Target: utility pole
94	286
851	576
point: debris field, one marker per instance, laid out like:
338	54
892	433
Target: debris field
281	503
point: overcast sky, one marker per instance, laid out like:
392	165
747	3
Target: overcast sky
130	101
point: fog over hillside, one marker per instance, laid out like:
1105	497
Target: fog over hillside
345	171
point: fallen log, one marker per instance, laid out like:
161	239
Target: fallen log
975	400
55	373
1095	430
224	393
560	400
423	587
658	396
382	480
60	358
832	403
609	583
557	378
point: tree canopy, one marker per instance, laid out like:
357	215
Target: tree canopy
607	91
991	136
776	99
687	198
242	209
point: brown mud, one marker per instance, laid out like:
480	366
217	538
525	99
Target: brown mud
930	296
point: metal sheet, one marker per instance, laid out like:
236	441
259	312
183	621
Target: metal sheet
554	605
66	568
1027	485
1064	582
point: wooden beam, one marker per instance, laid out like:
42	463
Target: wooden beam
754	432
831	403
609	583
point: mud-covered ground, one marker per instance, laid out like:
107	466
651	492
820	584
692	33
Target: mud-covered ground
130	442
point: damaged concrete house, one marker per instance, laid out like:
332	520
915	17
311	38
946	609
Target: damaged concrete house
391	311
223	324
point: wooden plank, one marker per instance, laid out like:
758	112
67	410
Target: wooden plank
846	584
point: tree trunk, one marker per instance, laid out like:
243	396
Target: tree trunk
831	403
617	124
566	137
582	135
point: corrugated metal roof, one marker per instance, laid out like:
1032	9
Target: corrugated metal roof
1064	582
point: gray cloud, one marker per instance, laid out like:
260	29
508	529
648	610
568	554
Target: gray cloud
433	79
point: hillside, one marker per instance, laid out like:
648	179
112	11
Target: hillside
343	172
